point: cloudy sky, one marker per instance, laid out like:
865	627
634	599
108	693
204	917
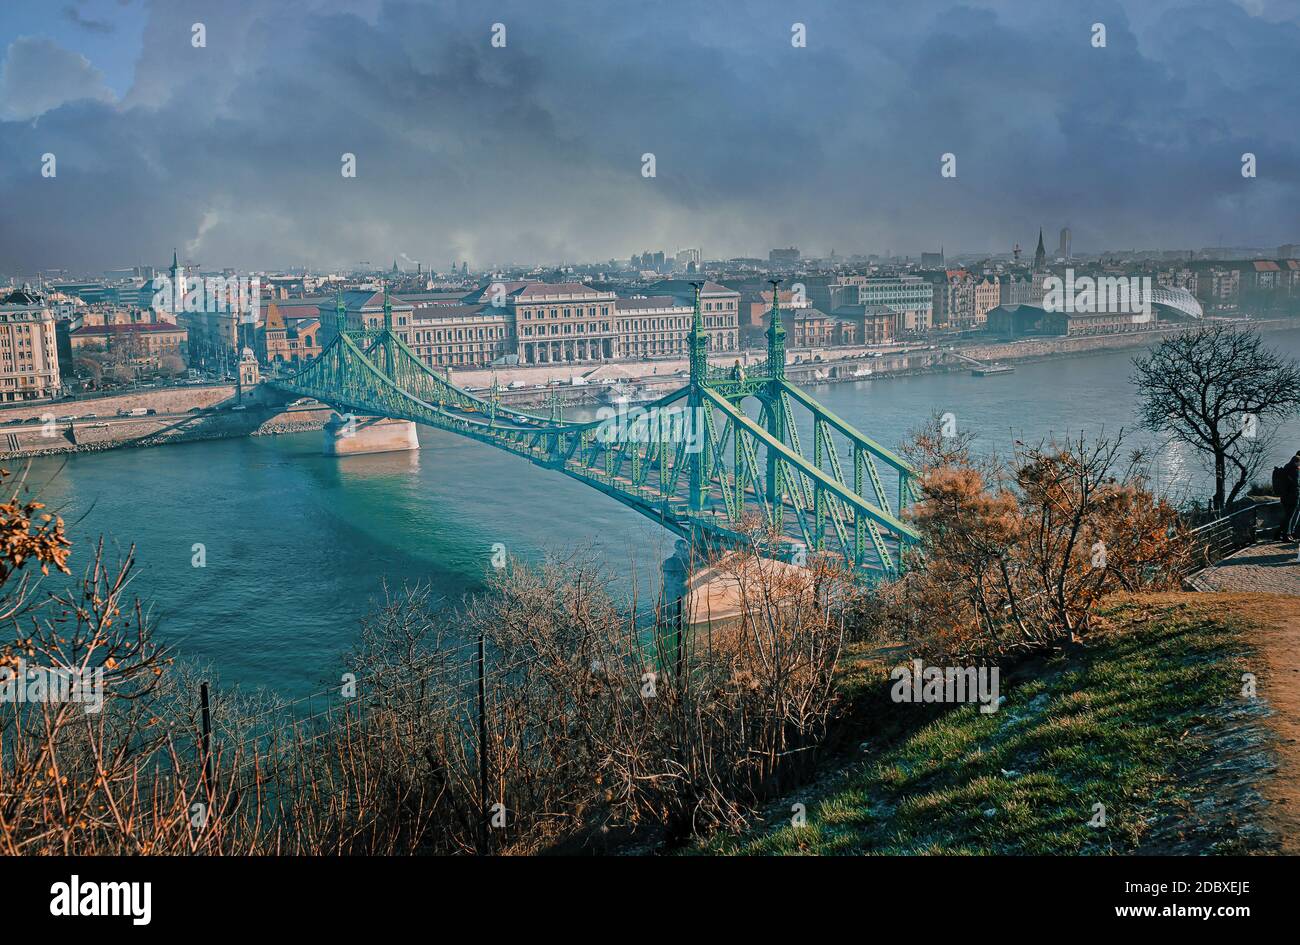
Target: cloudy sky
533	152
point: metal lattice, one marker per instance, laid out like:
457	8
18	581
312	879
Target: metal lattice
693	460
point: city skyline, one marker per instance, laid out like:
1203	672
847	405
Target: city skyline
534	151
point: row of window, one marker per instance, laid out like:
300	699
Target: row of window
568	312
426	337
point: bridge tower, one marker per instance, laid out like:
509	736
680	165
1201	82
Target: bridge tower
388	334
695	402
774	398
340	314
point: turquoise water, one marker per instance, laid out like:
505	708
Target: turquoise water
299	545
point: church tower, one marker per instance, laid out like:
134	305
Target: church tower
178	285
1040	254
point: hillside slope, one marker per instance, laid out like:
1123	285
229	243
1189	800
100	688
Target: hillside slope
1149	720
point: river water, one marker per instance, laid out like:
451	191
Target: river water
299	545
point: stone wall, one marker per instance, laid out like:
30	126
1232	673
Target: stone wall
163	400
112	432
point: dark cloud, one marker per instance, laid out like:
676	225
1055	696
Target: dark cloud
73	15
533	152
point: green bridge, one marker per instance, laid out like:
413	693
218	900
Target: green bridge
693	460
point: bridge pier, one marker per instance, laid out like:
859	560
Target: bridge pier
714	597
346	435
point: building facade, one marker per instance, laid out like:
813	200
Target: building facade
461	335
289	334
954	300
988	296
29	356
563	322
651	326
910	296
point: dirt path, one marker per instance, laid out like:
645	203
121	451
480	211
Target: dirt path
1277	641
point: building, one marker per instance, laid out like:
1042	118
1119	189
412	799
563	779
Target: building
688	257
1018	321
911	297
651	326
1063	248
810	328
954	300
1219	287
553	321
867	324
139	344
289	334
719	305
988	295
1016	289
461	335
363	310
29	349
755	304
783	258
1183	278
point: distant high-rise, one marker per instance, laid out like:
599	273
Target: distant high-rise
1064	249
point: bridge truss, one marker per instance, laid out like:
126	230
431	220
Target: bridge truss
721	461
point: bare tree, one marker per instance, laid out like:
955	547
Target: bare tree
1213	389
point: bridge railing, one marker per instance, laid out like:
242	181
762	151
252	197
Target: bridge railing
1221	537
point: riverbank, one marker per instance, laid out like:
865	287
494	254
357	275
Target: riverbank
195	413
579	384
150	418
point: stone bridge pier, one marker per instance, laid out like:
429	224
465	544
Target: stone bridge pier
348	435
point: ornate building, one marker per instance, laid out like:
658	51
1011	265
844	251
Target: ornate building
29	358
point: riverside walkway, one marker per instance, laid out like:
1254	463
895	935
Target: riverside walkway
1266	567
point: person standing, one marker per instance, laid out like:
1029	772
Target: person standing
1289	493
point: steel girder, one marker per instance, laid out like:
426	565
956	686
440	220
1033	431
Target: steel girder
692	460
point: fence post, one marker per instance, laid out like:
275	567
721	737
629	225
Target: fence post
207	741
484	825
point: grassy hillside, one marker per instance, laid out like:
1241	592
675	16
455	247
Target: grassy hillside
1147	720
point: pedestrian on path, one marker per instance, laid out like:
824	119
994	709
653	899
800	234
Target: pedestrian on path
1286	481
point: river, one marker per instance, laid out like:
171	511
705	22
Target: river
299	546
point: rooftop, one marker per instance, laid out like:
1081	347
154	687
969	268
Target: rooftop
127	329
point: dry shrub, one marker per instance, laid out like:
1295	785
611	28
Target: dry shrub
1016	554
599	725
